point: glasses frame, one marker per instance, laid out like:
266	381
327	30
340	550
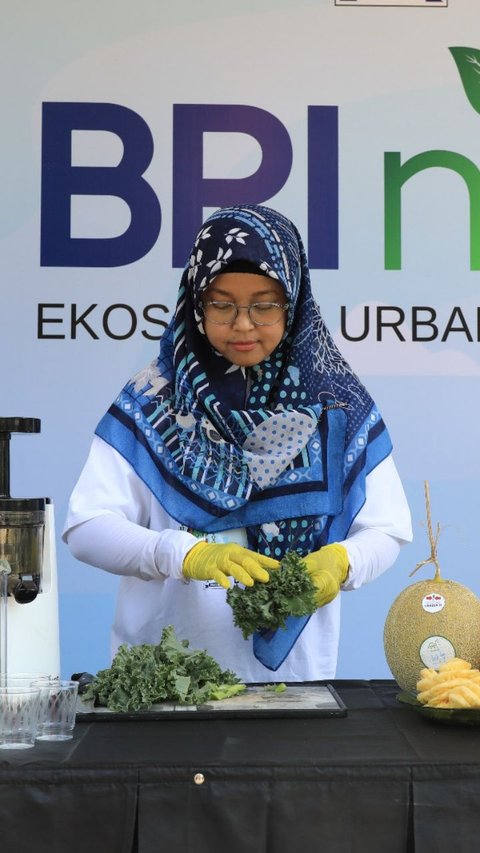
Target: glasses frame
237	308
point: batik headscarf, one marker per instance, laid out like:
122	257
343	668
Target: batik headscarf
282	448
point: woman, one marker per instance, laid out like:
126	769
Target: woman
251	434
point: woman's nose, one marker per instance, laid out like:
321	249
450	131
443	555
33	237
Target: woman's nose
243	320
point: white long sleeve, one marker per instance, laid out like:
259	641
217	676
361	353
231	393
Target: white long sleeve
122	547
381	527
370	553
114	522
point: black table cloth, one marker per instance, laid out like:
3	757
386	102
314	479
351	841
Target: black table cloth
381	780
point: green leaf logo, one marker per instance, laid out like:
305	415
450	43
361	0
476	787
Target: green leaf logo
468	63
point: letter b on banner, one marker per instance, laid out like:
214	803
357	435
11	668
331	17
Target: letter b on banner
61	181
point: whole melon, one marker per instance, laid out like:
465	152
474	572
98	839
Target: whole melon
429	623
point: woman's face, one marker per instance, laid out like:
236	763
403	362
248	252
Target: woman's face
241	341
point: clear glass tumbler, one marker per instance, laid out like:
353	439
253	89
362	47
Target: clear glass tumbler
20	710
58	700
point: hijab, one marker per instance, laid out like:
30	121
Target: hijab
282	448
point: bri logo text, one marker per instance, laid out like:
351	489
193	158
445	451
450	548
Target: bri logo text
192	192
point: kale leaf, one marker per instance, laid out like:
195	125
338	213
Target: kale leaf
289	592
142	676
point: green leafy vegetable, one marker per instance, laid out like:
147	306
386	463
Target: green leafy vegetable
289	592
142	676
277	688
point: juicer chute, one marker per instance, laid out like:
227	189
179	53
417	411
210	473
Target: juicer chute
22	523
29	635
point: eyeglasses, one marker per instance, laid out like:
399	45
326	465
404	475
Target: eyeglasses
260	313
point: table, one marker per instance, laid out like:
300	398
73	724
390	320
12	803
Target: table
381	780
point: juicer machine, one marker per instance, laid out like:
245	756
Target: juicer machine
29	628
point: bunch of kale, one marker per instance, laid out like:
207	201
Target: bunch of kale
289	592
142	676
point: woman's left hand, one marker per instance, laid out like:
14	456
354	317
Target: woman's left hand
328	568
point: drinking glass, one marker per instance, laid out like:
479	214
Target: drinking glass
20	709
58	699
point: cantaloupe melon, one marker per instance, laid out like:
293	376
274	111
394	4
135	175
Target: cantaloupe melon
430	622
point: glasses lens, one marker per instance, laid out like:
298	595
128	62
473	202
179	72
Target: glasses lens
219	312
266	313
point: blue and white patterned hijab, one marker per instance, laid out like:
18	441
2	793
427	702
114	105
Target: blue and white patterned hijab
282	448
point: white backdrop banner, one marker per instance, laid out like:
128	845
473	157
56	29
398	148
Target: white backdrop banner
124	125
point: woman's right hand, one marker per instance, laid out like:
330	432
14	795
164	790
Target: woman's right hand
209	561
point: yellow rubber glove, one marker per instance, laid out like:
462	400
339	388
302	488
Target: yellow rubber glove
208	561
328	568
